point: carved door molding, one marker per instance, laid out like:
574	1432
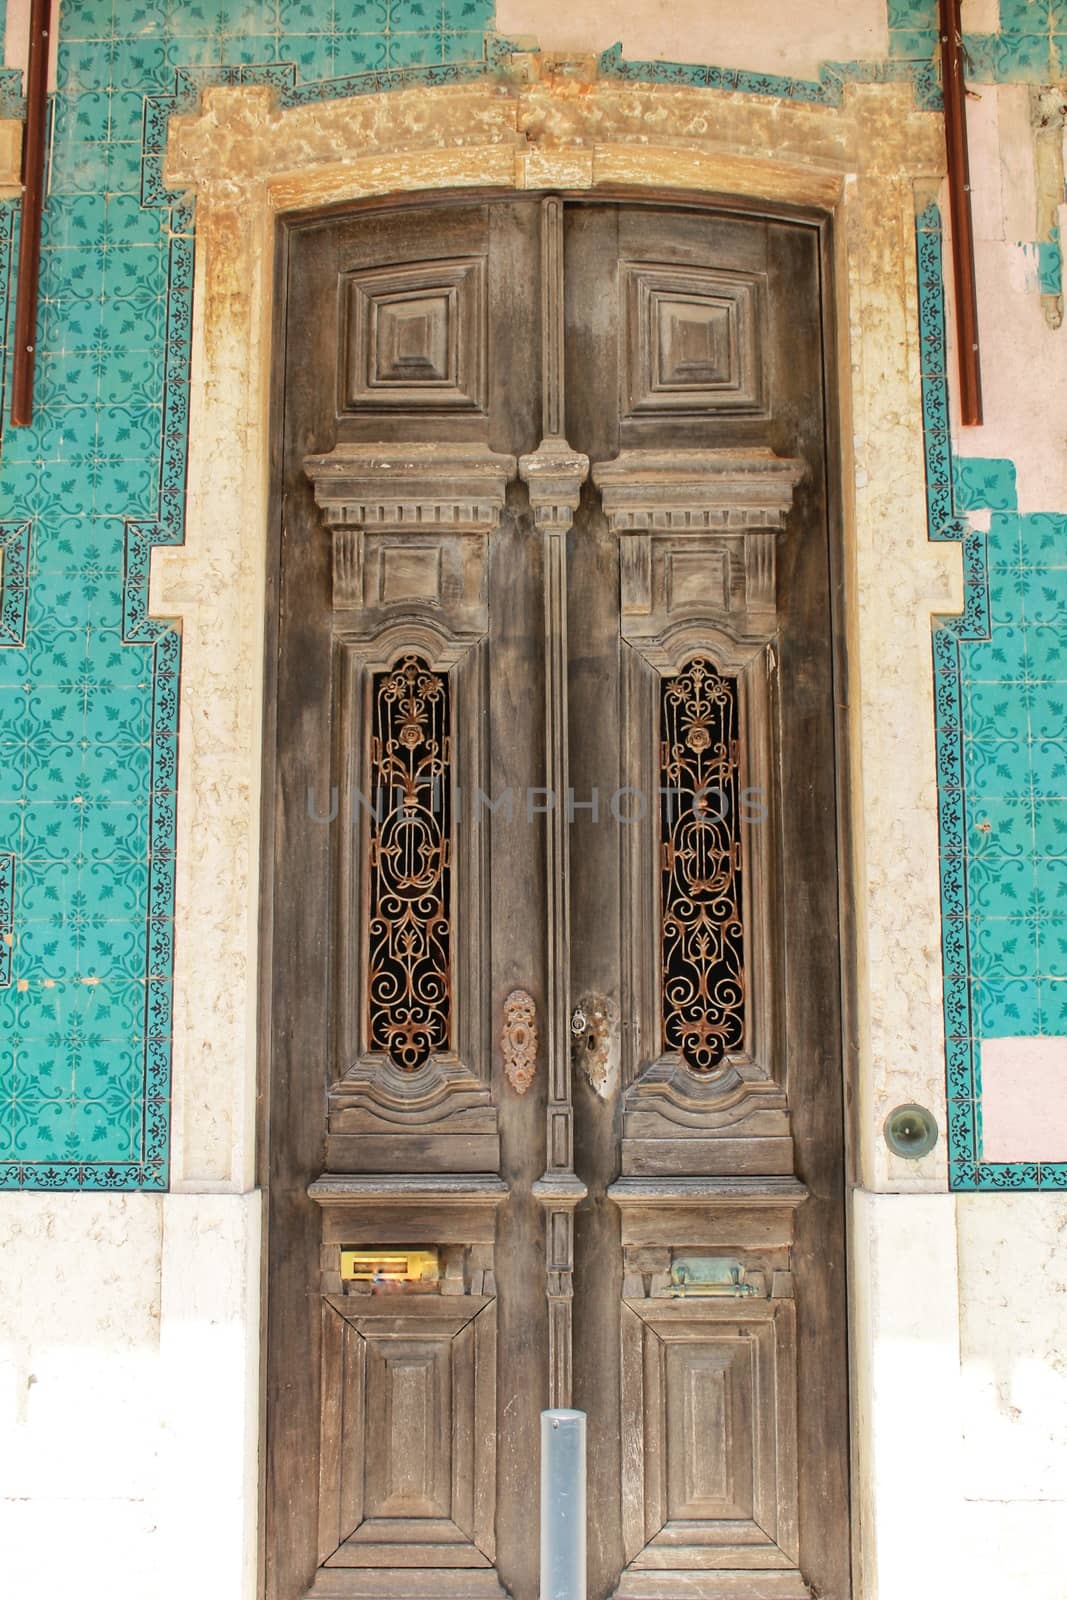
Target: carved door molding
555	1097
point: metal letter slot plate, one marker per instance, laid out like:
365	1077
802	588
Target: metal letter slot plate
709	1275
384	1265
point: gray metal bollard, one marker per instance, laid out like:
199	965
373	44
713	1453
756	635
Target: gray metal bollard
563	1505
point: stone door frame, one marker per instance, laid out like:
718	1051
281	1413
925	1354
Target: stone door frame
551	124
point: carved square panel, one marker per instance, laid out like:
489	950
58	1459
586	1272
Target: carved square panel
408	1461
698	580
410	573
709	1407
413	338
693	341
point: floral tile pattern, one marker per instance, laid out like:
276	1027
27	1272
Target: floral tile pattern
1000	677
88	682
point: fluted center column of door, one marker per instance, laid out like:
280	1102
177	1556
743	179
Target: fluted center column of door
554	474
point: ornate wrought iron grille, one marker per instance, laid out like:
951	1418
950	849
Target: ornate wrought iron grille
409	987
703	937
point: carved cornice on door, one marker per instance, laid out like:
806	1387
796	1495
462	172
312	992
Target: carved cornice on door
696	531
406	488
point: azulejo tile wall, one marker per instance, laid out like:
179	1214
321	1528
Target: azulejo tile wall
88	683
1001	697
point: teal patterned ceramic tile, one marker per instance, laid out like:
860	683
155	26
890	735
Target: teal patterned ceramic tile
459	45
363	52
1050	827
1005	543
1023	58
1003	658
1059	55
1051	888
297	17
88	19
1024	16
81	117
1047	711
45	884
84	66
1004	948
913	44
1002	827
1004	1007
1052	947
1000	887
993	711
982	484
980	57
1046	596
911	14
996	766
1006	595
410	49
253	16
1046	652
1052	1007
1043	537
1049	766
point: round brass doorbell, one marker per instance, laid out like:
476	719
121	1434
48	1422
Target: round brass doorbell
910	1131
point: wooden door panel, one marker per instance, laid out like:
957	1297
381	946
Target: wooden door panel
709	1405
709	1381
408	1432
632	1173
712	506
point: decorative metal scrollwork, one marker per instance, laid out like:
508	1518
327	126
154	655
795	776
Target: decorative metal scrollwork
410	927
702	932
518	1041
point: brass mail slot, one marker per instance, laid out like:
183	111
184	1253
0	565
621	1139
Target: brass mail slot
384	1265
709	1276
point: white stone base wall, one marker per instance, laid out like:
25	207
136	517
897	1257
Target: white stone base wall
129	1395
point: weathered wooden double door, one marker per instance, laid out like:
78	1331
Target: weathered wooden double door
555	1050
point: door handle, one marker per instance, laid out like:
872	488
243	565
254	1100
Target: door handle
595	1042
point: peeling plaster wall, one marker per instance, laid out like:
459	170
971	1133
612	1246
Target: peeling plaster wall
129	1322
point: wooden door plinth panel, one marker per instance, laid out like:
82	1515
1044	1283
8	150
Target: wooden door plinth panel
708	1374
407	1478
408	1466
650	1584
